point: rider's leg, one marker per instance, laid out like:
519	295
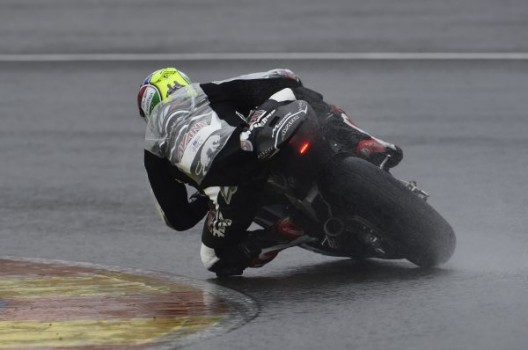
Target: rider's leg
284	234
224	231
227	247
347	134
350	137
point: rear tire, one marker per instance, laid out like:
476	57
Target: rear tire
406	222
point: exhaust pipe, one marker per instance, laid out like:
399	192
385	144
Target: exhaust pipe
333	229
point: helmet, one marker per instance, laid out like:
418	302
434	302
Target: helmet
157	87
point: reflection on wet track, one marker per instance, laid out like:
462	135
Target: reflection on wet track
55	305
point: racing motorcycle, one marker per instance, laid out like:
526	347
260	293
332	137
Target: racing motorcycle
347	206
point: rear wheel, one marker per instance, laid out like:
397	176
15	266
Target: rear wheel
405	224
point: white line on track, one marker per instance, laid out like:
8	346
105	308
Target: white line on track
209	56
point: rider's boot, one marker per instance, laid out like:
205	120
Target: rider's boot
256	250
379	152
288	229
350	136
274	240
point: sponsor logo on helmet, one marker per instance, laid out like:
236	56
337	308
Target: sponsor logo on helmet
150	99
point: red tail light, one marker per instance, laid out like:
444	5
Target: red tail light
304	147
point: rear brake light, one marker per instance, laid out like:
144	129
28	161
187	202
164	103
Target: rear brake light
304	147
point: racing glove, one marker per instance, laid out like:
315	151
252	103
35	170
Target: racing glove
270	128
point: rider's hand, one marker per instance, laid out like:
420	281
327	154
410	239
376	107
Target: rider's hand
270	127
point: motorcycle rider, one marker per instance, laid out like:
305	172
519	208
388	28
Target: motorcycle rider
215	137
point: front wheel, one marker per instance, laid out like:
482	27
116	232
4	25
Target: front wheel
405	222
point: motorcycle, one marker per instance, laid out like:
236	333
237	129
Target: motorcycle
347	206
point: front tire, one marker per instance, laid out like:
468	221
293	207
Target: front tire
406	222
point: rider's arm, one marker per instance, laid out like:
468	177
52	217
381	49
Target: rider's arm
245	93
178	212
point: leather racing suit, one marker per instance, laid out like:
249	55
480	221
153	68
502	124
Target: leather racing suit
193	138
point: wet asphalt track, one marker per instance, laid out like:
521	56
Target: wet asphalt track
73	187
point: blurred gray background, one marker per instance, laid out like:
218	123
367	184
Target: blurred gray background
73	187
